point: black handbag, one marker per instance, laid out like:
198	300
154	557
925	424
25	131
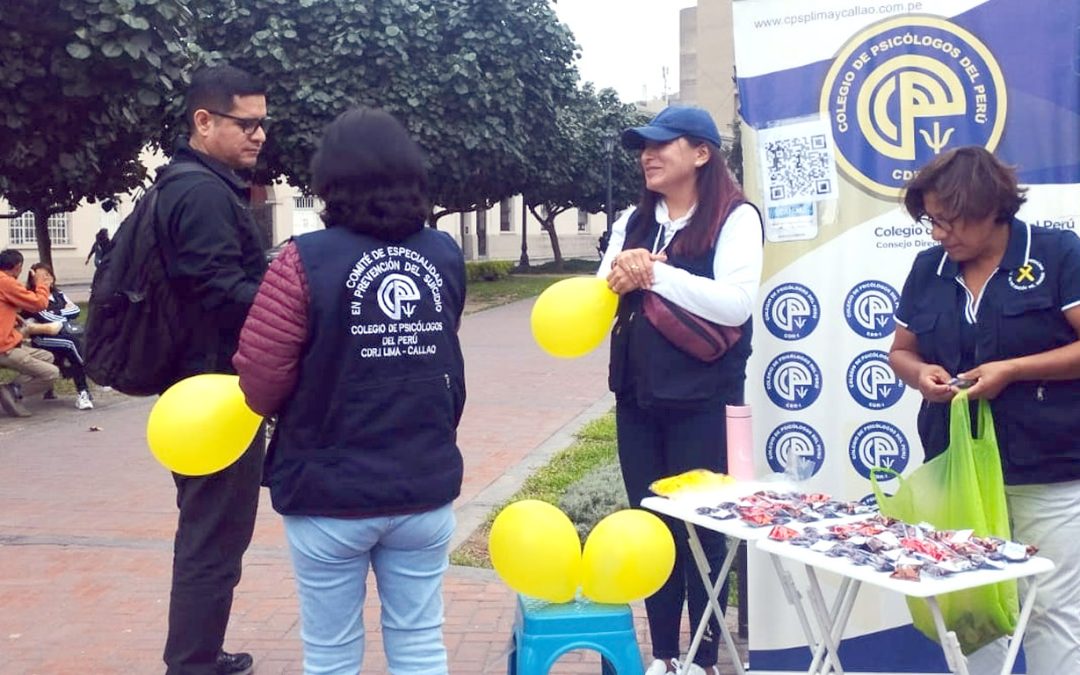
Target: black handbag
704	340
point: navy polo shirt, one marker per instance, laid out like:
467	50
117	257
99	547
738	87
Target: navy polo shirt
1020	311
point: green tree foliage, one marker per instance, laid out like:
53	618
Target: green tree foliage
85	85
569	168
476	81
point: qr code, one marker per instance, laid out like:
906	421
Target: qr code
799	167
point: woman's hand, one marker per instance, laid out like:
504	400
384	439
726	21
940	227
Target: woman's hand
934	384
990	378
632	270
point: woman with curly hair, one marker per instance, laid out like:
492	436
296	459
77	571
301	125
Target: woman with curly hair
352	343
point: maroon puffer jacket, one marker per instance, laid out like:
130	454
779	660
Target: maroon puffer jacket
274	333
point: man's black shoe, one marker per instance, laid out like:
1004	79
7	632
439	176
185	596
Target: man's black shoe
234	664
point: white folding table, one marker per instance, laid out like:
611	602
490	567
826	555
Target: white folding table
734	530
831	624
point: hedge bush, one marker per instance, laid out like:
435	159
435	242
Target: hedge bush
599	493
488	270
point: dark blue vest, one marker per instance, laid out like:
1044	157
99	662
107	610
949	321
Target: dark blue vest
649	371
372	425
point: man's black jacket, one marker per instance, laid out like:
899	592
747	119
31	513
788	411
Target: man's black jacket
215	256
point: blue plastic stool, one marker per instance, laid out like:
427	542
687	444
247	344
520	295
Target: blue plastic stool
544	631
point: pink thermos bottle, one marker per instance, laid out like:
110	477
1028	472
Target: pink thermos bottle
740	442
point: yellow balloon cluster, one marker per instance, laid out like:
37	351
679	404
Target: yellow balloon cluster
628	556
536	551
572	317
201	425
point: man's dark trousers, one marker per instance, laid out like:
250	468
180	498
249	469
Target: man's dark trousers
217	519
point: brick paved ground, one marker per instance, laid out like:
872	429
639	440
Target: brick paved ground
87	518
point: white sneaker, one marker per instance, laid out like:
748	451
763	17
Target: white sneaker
83	402
695	669
659	667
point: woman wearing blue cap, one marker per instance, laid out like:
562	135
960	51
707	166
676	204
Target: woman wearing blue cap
696	243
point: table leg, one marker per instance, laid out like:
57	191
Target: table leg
1021	626
954	656
825	622
713	591
841	612
794	598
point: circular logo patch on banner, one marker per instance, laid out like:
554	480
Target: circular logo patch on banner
795	442
872	382
902	91
869	309
878	445
871	499
791	311
793	380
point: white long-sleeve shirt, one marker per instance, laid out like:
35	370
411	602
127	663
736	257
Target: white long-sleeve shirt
729	297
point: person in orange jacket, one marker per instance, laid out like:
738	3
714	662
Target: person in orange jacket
35	367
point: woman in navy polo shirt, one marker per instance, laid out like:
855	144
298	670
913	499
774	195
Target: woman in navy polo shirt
997	304
694	241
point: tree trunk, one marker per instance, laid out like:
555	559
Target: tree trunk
549	226
41	232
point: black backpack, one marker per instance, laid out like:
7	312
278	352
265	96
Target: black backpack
135	330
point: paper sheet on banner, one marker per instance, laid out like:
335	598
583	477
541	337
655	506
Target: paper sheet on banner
798	163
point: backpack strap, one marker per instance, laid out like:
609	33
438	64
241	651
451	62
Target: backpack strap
167	174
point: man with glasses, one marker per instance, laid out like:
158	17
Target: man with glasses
215	262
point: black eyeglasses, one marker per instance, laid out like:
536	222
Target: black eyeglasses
249	125
928	220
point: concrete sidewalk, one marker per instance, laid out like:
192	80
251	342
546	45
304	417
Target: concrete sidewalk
87	518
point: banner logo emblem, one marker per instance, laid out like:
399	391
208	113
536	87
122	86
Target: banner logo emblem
902	91
1028	276
878	445
872	382
869	309
793	381
791	311
795	443
871	499
396	295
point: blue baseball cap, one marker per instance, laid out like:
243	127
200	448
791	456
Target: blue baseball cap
671	123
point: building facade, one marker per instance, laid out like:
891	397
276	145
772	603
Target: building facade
707	62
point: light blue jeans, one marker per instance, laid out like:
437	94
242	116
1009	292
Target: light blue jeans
409	555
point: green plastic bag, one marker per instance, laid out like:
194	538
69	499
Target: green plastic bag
960	489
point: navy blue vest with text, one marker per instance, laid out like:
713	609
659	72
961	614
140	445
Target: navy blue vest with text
371	428
649	371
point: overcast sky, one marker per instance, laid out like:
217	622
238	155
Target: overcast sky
625	44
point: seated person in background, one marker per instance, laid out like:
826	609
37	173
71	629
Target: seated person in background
53	329
35	368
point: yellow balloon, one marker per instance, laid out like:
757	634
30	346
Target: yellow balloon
572	317
201	425
536	551
628	556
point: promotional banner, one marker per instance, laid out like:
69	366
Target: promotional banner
841	102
